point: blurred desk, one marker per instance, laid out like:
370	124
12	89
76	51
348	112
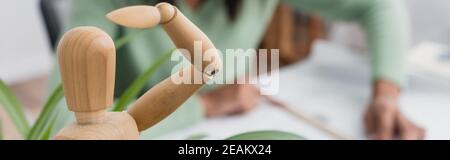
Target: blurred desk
333	87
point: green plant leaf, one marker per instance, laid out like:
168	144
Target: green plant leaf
266	135
47	112
133	90
1	130
122	41
199	136
48	129
13	109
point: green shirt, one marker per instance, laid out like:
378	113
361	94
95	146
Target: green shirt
385	22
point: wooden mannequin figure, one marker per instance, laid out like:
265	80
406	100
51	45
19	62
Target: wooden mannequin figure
86	58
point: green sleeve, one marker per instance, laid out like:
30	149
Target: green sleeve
386	25
92	13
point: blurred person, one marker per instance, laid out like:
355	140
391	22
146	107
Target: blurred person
242	24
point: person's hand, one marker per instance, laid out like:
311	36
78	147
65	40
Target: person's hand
383	119
230	99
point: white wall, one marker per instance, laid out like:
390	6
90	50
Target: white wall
24	47
430	21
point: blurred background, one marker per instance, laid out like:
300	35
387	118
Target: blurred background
26	51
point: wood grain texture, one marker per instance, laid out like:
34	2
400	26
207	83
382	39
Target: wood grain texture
86	58
184	34
116	126
87	61
132	16
164	98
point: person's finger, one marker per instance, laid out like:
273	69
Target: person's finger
421	133
248	97
221	102
409	131
406	130
369	123
236	110
385	124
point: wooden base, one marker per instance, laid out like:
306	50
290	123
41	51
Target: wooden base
116	126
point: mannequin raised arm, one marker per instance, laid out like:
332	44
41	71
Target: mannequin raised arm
183	33
86	57
167	96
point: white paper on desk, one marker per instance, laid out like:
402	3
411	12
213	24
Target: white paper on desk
335	84
431	58
333	87
264	117
312	88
